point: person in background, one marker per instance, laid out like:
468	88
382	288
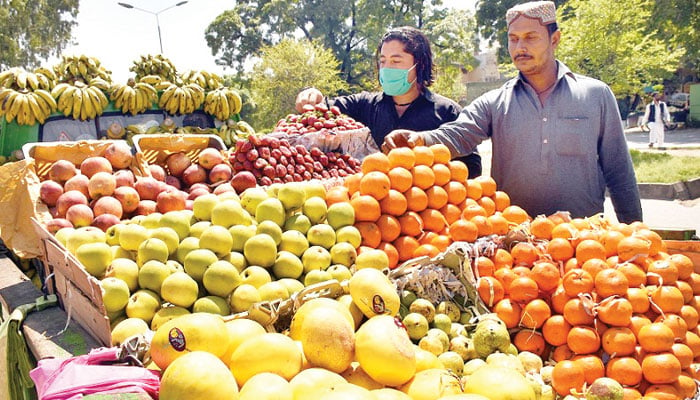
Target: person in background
656	116
406	70
557	137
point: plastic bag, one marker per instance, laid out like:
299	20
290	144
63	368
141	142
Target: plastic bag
96	372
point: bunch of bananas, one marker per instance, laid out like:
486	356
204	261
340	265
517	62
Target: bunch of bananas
181	99
230	131
222	103
207	80
84	68
18	79
154	65
134	97
79	100
26	106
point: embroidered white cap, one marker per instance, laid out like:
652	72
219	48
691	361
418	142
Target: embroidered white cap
544	11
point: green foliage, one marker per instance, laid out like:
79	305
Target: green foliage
611	43
32	30
283	70
652	167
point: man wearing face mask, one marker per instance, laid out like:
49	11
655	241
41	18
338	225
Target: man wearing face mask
405	65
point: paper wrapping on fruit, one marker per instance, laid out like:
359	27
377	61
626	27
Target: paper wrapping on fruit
19	191
447	277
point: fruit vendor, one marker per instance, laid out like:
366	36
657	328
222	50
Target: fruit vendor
557	136
405	64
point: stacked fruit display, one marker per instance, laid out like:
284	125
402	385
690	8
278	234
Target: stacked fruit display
26	96
318	118
274	160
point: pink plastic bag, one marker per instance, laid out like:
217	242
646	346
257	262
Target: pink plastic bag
72	378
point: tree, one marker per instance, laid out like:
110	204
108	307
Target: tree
677	22
349	28
613	44
33	30
283	70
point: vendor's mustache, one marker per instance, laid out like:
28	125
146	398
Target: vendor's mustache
518	57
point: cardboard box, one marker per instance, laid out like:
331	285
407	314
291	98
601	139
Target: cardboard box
46	153
155	148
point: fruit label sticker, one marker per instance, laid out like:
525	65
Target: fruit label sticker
378	304
177	339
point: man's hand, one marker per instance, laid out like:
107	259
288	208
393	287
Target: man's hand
402	138
311	96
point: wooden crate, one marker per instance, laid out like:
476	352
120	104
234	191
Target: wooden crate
155	148
78	292
690	248
46	153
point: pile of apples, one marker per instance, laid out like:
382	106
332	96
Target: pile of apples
269	160
318	118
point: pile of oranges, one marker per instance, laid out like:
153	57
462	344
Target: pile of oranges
414	202
599	299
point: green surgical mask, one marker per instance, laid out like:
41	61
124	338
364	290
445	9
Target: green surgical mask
394	81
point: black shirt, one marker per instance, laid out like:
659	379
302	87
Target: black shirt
427	112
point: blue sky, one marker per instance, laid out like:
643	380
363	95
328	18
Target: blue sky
117	36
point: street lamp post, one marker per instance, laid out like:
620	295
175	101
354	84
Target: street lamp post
160	39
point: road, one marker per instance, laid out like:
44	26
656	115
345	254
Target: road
673	214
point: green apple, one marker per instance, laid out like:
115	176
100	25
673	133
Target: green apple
132	235
292	285
151	221
270	209
212	305
152	249
152	274
272	229
198	227
203	205
197	261
237	259
178	220
316	257
119	252
349	234
241	234
340	214
180	289
221	278
255	276
143	304
315	208
261	250
298	222
343	253
174	266
228	213
372	258
167	235
339	272
243	297
186	245
416	325
294	242
137	219
442	322
291	195
316	276
115	293
272	291
251	197
321	235
112	234
63	234
273	189
312	189
84	235
95	258
126	270
217	239
165	314
287	265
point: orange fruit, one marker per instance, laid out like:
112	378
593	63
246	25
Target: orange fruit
441	153
490	290
426	250
411	223
337	194
639	299
437	196
683	353
528	340
535	313
501	199
635	275
655	337
667	299
442	174
592	365
464	231
676	323
456	192
482	224
502	258
405	246
632	246
472	210
560	249
577	281
541	227
610	282
683	264
609	239
523	289
661	368
458	171
626	370
524	253
488	205
587	249
487	183
576	312
515	214
400	178
561	353
594	266
546	274
565	230
619	341
394	203
376	162
661	272
567	375
391	252
474	190
451	212
559	299
424	155
690	315
389	227
423	176
371	236
433	220
655	240
499	224
555	330
507	310
401	157
366	207
352	182
375	184
615	311
583	340
441	242
416	199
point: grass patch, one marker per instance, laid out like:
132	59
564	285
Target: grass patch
664	168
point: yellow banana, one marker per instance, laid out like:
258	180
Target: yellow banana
224	109
10	105
99	83
59	89
49	74
235	102
34	107
23	109
21	79
77	103
132	101
151	79
32	80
